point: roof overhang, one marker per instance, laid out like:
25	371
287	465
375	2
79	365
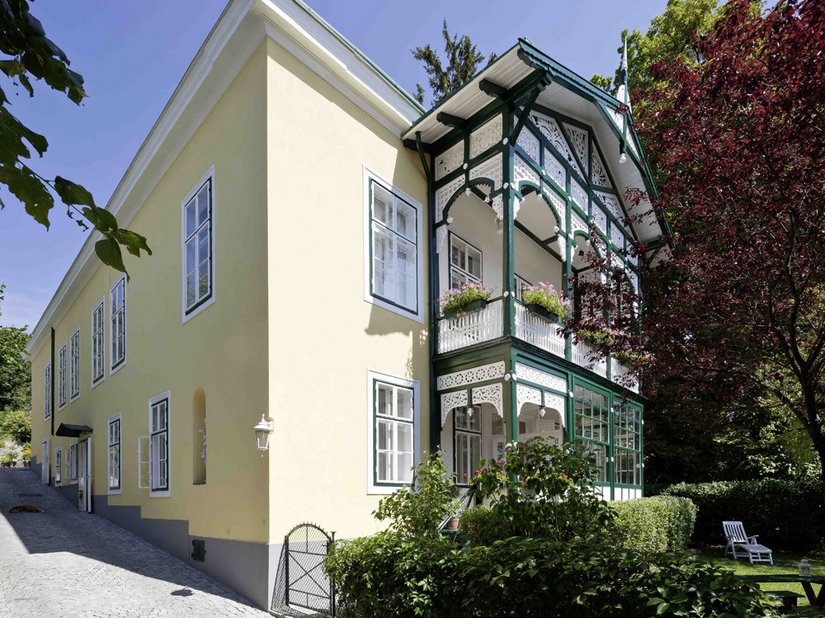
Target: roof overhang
238	33
67	430
562	91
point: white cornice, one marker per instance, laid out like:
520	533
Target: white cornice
237	34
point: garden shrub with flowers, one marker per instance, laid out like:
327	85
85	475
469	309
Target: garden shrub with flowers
542	545
547	298
457	299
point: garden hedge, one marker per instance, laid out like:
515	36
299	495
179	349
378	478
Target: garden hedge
786	514
655	525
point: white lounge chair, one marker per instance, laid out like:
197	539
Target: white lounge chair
741	545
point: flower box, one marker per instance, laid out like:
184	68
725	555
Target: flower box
471	297
475	305
539	310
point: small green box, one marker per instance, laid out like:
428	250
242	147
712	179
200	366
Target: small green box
198	550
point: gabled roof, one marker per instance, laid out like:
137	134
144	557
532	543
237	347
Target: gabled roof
568	93
239	31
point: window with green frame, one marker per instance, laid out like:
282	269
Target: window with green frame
467	440
592	425
394	433
627	440
394	248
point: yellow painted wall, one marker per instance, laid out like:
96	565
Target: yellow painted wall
222	350
323	335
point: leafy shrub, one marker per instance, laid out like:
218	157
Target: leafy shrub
550	568
786	514
456	299
540	489
548	298
655	525
418	510
17	424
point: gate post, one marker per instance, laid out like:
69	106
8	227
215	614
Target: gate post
286	567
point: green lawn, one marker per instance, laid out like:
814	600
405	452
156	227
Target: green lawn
783	562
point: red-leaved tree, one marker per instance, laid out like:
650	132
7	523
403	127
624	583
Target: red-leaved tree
738	145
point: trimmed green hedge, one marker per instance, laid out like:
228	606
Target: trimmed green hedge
655	525
787	515
389	576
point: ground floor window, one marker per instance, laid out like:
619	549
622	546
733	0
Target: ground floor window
467	440
58	466
159	445
114	454
394	433
627	438
591	412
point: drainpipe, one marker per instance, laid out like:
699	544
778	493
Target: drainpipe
51	378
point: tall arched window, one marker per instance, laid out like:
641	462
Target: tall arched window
199	438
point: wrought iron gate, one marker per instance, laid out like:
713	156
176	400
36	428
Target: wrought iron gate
307	583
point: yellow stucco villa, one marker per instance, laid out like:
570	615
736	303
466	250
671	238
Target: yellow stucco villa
145	390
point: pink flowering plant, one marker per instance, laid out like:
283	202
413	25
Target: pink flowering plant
457	299
548	298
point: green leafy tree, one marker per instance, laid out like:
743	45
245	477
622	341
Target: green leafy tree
28	55
18	425
462	58
15	368
674	33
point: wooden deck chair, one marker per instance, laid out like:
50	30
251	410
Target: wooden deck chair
741	545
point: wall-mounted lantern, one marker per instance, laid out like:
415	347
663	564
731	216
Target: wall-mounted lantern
262	431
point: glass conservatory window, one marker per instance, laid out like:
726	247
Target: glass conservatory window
592	425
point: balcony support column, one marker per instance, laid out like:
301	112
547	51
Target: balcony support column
567	271
508	225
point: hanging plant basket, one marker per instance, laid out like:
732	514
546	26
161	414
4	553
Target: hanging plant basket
545	313
455	301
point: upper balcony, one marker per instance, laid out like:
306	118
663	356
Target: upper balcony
533	228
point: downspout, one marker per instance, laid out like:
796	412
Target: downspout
435	414
51	378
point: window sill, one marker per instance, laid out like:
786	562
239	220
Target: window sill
115	369
114	492
160	494
197	310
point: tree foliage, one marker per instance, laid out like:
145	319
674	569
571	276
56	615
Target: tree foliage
673	34
17	424
15	367
737	142
26	56
462	58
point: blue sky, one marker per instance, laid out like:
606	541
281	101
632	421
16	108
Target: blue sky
132	53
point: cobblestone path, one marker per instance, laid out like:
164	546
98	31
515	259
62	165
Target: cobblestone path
65	563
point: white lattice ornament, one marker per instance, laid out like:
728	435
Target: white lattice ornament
578	194
522	172
482	373
530	144
551	130
542	378
527	394
598	173
580	141
556	402
492	394
486	136
449	160
450	401
489	170
444	194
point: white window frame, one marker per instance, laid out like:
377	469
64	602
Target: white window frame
58	466
47	391
167	491
418	313
74	365
115	418
62	376
117	364
100	346
468	434
415	385
518	288
462	270
73	467
208	301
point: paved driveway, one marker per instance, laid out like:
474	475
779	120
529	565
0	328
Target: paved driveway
65	563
